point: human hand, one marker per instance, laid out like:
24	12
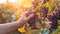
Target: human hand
26	17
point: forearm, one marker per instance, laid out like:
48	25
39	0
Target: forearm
5	28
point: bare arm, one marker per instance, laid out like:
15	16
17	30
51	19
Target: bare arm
8	27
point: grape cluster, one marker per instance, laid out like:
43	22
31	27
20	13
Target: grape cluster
44	17
54	19
38	18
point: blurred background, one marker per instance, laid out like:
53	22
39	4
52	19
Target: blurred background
47	11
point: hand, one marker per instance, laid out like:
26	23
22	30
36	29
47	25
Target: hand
26	17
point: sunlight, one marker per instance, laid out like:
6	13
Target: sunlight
12	0
5	1
2	1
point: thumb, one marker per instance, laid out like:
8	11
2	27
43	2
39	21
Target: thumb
30	16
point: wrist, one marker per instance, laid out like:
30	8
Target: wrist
21	23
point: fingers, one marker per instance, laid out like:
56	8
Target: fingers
32	11
30	16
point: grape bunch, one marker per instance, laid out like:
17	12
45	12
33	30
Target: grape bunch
40	18
54	21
